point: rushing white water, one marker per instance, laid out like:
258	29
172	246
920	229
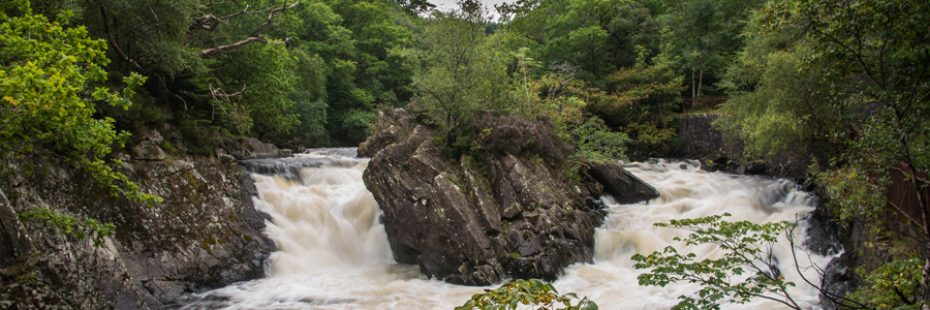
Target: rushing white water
333	253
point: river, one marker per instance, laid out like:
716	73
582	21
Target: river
332	252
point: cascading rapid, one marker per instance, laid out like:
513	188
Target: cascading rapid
332	252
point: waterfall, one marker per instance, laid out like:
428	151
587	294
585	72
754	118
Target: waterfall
332	252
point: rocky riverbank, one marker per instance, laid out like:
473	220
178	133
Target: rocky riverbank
205	234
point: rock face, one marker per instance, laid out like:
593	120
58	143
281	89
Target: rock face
148	150
206	234
507	211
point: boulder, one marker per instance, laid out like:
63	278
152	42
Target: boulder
622	185
148	150
504	210
251	148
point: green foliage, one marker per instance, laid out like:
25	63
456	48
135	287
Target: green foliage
845	84
51	78
269	80
289	71
745	270
535	293
852	194
701	36
69	225
779	100
596	142
894	285
640	101
598	37
453	81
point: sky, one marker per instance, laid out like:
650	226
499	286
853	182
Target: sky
446	5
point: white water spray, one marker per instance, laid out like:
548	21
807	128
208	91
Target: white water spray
333	253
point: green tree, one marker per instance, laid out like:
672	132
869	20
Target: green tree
51	78
348	57
779	100
598	37
881	47
845	83
702	36
451	80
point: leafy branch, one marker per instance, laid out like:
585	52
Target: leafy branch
746	270
527	292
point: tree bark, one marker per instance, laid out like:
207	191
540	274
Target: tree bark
700	83
693	88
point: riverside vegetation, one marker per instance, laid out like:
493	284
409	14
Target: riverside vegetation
842	87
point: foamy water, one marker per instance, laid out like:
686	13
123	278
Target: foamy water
333	253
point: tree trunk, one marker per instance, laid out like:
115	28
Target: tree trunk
693	88
700	84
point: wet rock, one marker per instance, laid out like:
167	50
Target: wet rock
621	184
838	280
503	212
822	233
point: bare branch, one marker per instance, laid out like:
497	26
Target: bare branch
842	301
222	48
255	36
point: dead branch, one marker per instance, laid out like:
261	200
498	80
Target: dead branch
209	22
222	48
255	36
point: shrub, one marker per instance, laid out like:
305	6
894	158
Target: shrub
527	292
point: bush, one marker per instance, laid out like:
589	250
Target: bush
532	292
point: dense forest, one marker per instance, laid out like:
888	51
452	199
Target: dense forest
839	88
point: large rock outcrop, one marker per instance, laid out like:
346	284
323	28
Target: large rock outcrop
509	209
206	234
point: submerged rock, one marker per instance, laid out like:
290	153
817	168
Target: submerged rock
508	210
